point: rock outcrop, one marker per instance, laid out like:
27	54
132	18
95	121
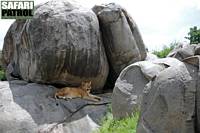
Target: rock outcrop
121	37
166	91
60	45
185	50
30	107
169	100
129	87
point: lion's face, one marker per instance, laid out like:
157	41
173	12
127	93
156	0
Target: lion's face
86	85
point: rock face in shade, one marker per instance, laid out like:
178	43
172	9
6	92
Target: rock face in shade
61	45
0	59
128	90
121	37
169	100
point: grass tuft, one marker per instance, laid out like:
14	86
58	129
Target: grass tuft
126	125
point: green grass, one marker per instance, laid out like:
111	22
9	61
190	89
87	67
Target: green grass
126	125
2	75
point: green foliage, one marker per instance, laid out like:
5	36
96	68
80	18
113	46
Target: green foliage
126	125
163	53
194	35
2	75
166	50
2	72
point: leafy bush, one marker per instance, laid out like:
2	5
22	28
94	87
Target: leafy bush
166	50
126	125
194	35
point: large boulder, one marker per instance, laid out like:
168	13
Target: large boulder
195	61
61	44
121	37
30	108
169	100
128	90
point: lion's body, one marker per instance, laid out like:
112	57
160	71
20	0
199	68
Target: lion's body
82	91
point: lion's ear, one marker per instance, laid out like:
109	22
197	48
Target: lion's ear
82	83
90	82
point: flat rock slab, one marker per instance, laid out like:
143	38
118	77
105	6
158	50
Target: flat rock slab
29	107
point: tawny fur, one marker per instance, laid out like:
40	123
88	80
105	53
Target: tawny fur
83	91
